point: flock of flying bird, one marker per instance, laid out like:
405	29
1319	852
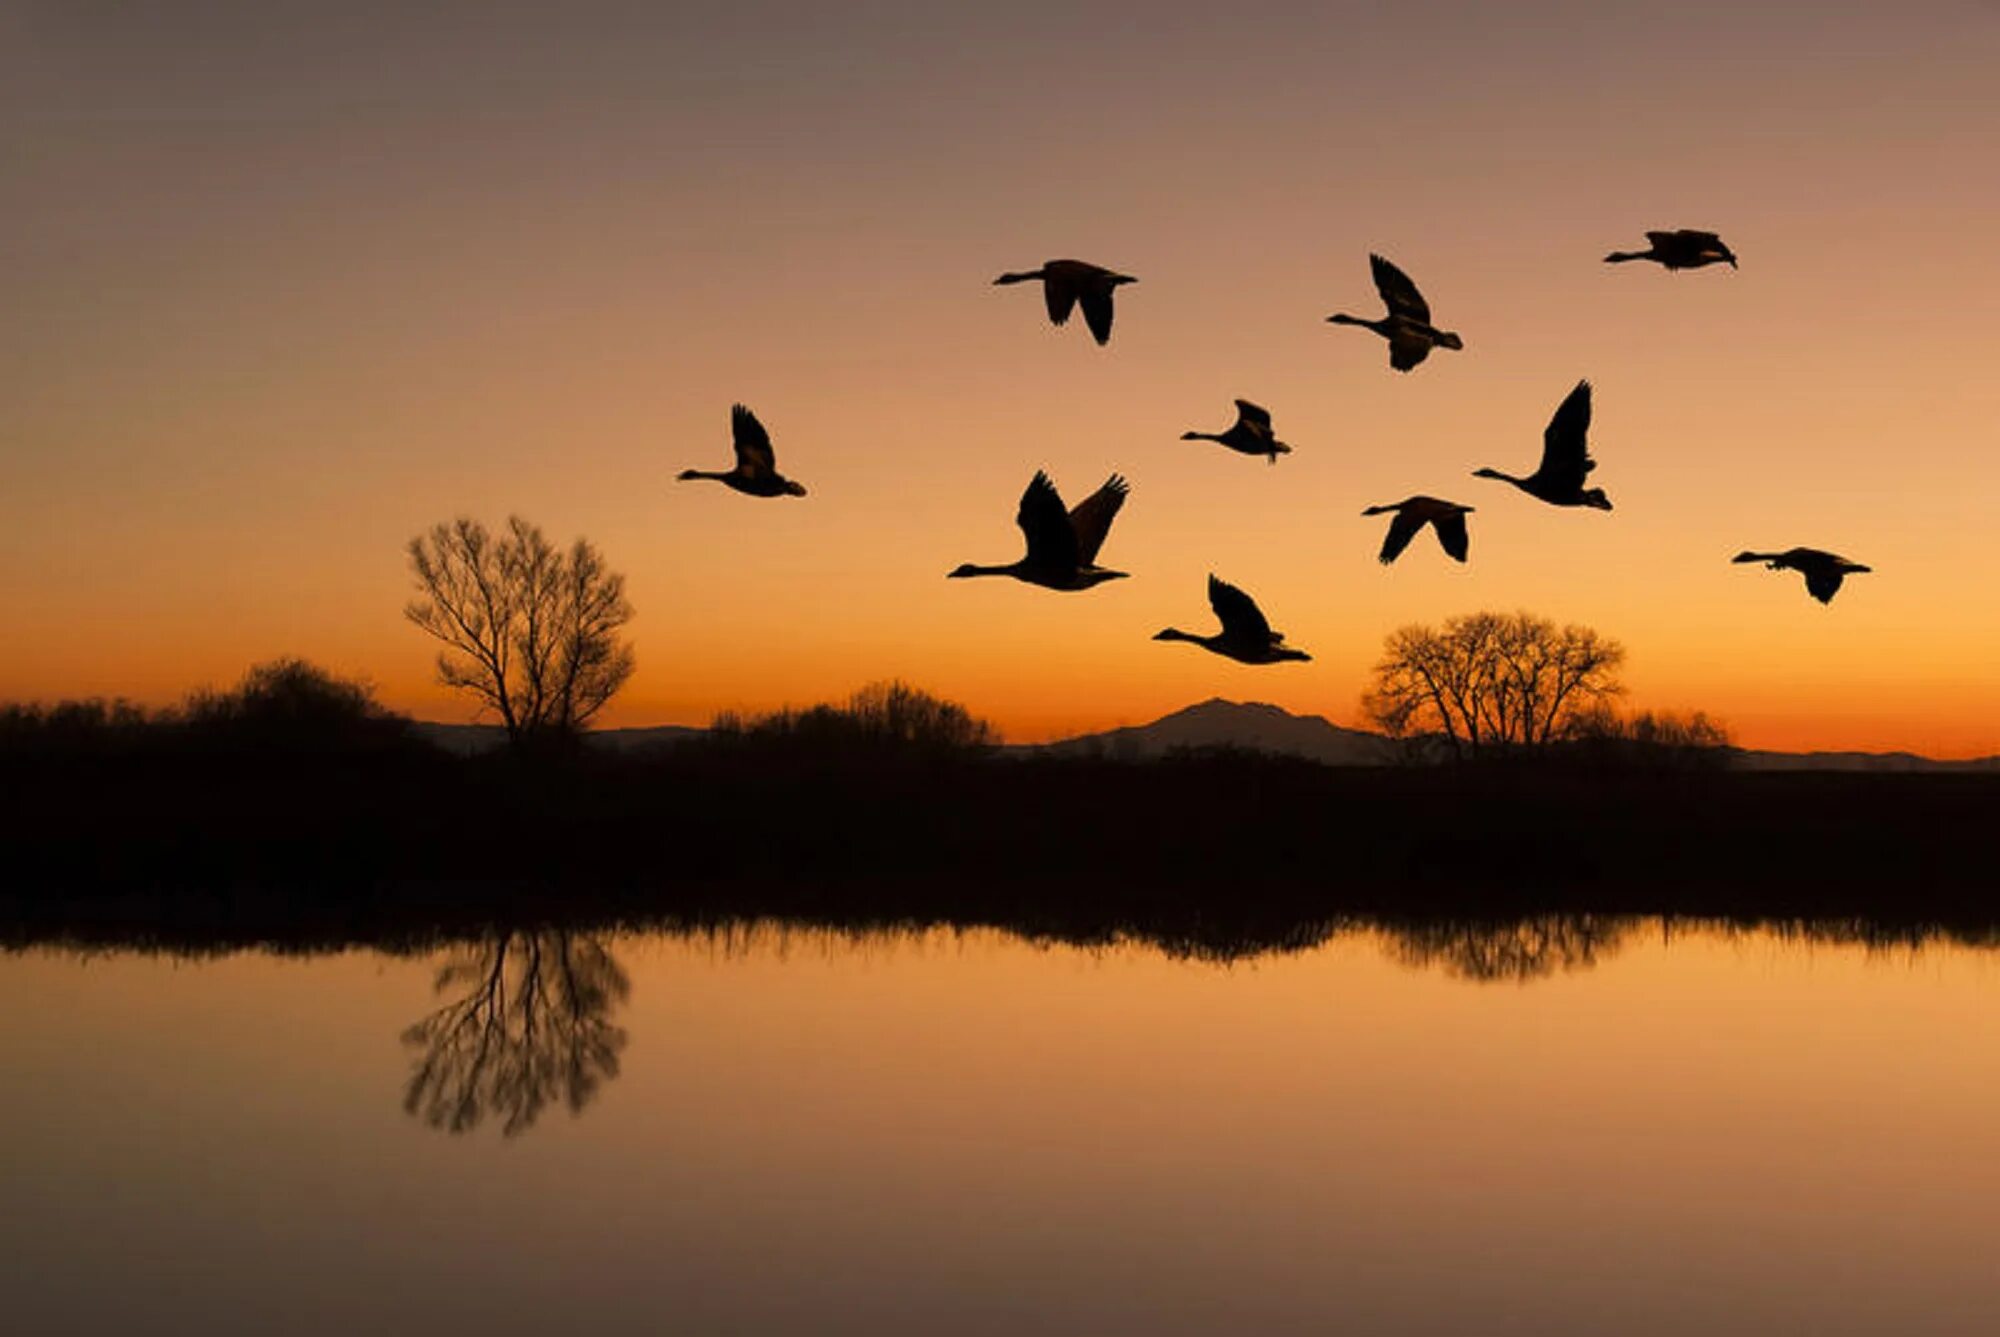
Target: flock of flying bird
1063	542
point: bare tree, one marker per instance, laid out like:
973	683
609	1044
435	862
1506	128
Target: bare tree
1492	681
529	631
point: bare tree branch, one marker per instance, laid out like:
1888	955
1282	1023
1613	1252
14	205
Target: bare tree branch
528	631
1489	681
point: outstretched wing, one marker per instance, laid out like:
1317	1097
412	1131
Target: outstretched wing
1255	419
1051	540
1401	530
1242	620
1663	240
1060	295
1091	520
1406	351
1822	582
1398	293
754	455
1450	526
1565	450
1097	312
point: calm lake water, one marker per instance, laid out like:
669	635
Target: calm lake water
1580	1127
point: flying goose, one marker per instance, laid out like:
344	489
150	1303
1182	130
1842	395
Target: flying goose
1683	248
1062	545
1446	519
756	472
1408	326
1565	458
1250	434
1068	282
1245	636
1823	570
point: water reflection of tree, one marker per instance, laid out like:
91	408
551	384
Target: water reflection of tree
1516	949
532	1022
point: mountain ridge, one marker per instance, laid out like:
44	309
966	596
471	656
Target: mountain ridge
1256	726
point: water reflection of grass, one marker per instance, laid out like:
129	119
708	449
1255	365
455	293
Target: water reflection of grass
554	948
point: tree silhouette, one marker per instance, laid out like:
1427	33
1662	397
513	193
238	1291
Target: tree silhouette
529	631
1492	681
533	1024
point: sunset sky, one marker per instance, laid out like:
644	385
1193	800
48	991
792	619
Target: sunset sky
284	284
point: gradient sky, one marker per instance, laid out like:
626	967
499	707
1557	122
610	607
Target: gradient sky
284	284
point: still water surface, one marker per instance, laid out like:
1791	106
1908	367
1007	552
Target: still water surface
1582	1127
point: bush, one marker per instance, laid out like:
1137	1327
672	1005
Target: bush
289	705
882	719
70	728
1652	741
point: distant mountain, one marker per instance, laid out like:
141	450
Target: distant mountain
1252	725
1748	760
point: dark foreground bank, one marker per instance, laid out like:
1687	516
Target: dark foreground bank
405	839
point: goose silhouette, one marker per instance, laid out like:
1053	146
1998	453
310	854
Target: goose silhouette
1407	326
1250	434
1066	283
756	472
1823	570
1566	458
1245	636
1062	544
1446	519
1682	248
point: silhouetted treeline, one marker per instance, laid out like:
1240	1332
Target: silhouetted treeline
286	708
295	799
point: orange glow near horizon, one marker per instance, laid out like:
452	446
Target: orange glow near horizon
281	297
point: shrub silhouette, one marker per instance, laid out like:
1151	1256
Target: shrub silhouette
1659	741
882	720
75	728
288	705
